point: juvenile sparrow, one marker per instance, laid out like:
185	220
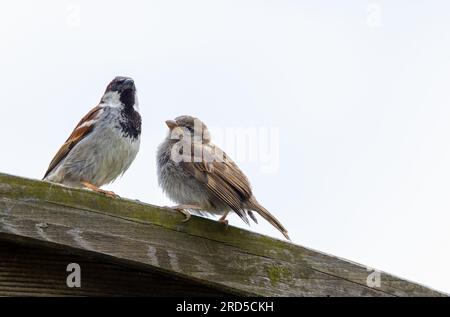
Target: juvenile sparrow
104	143
199	176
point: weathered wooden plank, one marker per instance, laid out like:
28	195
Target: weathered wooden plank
38	271
221	266
201	249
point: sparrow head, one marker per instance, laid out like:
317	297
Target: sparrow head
189	126
121	92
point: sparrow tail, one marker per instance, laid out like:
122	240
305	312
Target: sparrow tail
263	212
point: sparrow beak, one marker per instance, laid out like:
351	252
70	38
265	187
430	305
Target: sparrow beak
171	124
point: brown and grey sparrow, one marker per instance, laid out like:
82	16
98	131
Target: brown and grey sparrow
104	143
199	176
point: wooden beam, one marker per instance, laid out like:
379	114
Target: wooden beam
27	269
232	260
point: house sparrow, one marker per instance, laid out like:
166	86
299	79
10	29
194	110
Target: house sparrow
199	176
104	143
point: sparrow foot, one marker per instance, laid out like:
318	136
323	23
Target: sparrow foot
186	214
223	219
224	222
109	193
98	190
184	210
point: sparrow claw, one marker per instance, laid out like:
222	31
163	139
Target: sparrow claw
110	194
107	193
94	188
187	214
224	222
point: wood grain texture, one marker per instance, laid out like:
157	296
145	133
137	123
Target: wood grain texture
146	237
39	271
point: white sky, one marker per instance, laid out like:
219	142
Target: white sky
357	90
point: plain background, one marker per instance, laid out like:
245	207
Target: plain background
357	90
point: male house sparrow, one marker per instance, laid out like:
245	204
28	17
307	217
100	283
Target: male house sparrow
104	143
198	175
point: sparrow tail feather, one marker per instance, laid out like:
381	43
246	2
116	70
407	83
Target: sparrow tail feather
263	212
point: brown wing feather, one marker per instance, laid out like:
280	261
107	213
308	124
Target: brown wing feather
228	183
224	178
78	134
